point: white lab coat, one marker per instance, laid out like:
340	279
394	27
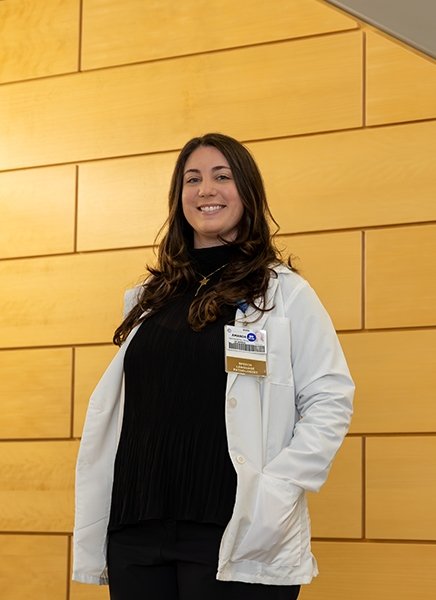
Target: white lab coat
283	432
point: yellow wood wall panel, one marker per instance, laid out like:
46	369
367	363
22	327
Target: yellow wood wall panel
401	277
273	90
70	299
37	211
35	392
351	179
36	485
400	84
395	376
80	591
358	571
90	364
33	566
123	203
331	262
134	30
38	38
401	487
336	511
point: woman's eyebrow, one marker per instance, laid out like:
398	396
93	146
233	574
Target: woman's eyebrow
217	168
220	167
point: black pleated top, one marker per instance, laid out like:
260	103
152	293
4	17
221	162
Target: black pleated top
172	459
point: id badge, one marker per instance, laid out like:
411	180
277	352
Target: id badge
245	350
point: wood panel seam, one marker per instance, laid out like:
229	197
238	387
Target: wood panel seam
356	540
226	49
45	533
68	582
76	208
42	439
343	130
79	58
56	346
108	343
378	434
363	79
73	373
68	534
401	541
363	280
187	55
244	141
386	226
41	78
388	329
393	434
363	487
172	150
355	228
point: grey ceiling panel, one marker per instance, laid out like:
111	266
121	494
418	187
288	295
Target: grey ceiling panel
411	21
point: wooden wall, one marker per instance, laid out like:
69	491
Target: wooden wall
96	97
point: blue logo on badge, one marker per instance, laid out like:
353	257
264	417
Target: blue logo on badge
251	337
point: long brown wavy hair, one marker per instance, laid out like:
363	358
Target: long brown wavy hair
247	275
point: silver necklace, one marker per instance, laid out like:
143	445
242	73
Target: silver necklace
206	278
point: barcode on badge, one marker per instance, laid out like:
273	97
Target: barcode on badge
246	347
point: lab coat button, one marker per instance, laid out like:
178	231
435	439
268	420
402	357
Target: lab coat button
240	459
233	402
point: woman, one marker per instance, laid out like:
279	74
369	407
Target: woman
191	480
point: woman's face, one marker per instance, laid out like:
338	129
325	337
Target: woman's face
210	200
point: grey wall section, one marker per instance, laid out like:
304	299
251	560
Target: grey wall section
411	21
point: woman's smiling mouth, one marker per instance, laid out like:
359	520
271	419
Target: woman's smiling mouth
211	208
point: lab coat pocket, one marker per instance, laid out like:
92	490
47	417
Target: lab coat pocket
274	533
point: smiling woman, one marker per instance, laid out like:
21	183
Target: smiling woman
202	492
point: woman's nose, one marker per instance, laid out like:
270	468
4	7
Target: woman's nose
206	188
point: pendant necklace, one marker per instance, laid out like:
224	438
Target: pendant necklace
206	278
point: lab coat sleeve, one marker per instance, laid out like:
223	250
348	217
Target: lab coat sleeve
323	394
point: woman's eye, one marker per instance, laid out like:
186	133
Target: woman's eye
222	177
192	180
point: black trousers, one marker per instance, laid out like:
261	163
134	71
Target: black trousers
176	560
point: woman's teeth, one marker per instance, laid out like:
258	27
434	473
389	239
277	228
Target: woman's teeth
210	209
